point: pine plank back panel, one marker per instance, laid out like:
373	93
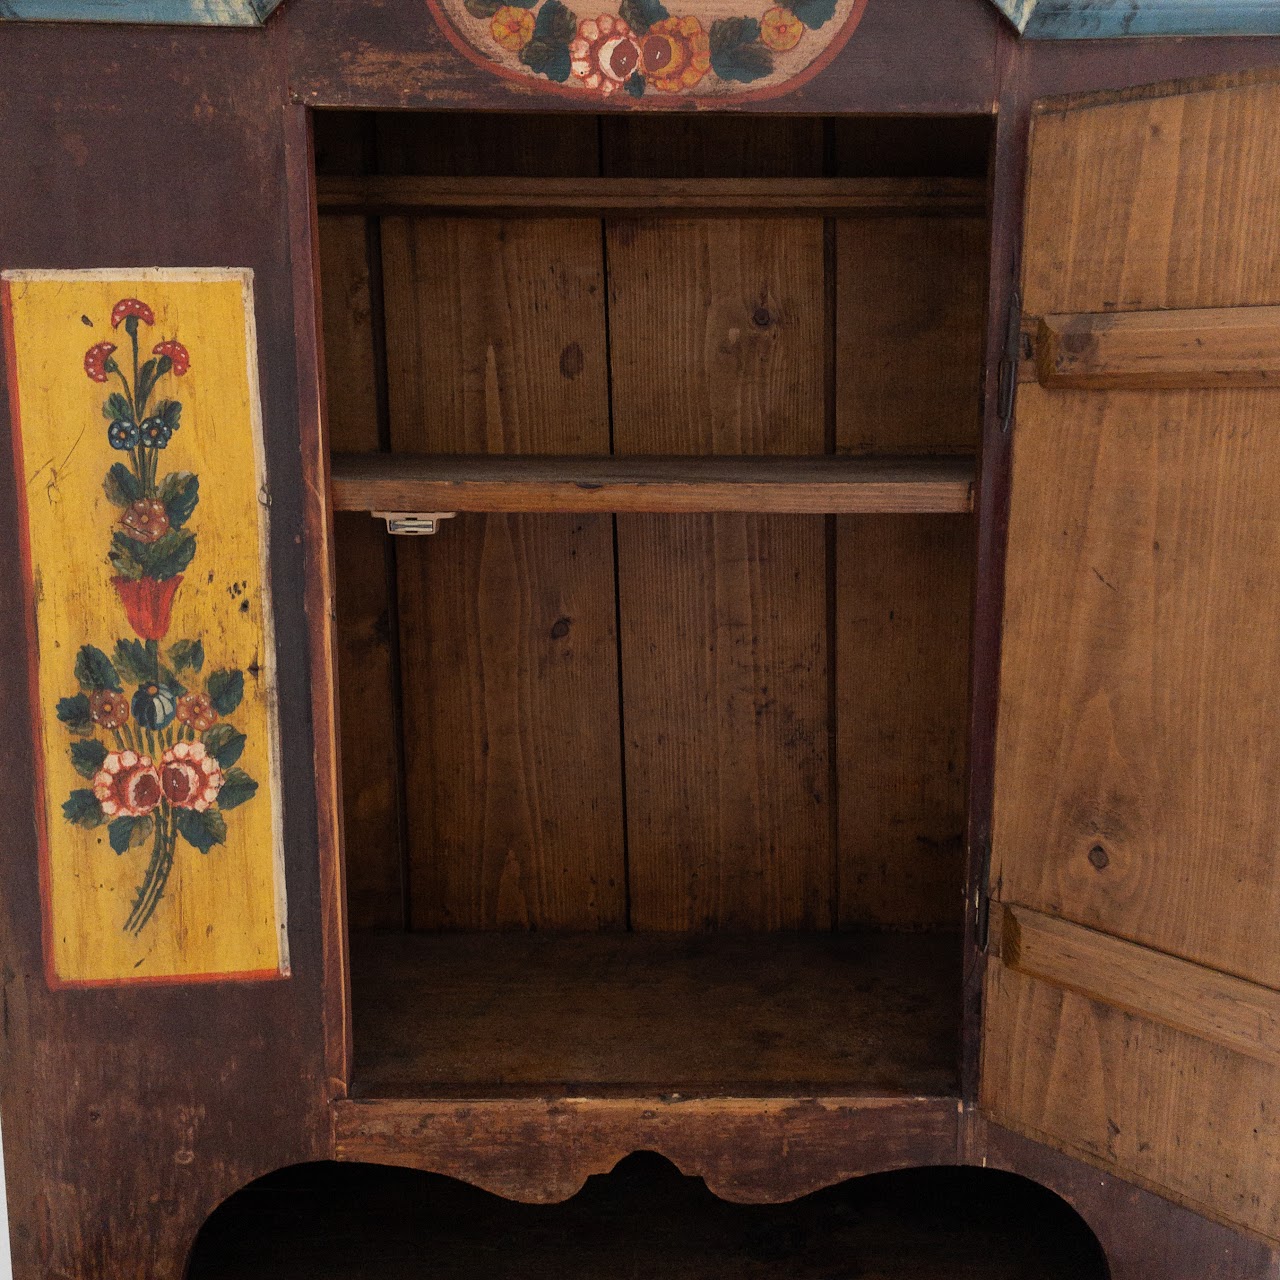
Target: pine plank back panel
908	337
1134	788
716	329
496	343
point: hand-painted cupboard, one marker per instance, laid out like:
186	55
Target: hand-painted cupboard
828	728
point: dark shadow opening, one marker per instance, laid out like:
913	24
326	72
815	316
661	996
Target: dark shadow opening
645	1219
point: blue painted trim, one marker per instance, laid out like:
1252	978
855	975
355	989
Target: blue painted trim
174	13
1017	11
1106	19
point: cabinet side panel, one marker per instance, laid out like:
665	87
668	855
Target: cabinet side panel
371	763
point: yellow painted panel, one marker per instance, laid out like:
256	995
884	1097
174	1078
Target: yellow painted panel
153	684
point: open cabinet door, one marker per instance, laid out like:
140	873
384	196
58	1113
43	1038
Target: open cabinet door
1132	1011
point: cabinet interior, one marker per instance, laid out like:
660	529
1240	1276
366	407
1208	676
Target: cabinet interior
654	788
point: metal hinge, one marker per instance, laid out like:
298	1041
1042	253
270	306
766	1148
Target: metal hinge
1011	361
413	524
982	899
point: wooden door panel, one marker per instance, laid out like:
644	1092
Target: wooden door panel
1137	791
1175	1113
1137	813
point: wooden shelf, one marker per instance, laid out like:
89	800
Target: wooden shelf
832	485
645	197
509	1015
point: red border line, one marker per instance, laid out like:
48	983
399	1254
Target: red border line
663	102
55	982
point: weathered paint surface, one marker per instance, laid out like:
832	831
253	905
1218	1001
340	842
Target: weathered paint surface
1102	19
640	50
139	448
203	13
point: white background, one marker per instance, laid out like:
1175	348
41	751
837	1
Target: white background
6	1267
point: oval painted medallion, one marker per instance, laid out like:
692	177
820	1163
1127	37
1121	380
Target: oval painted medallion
653	51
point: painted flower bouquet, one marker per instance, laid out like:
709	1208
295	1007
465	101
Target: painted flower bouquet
150	731
644	47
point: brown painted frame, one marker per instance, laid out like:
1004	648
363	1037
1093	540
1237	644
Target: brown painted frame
130	1114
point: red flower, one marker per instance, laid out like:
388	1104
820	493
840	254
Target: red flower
146	520
95	360
190	777
110	710
127	785
196	709
147	603
131	307
176	352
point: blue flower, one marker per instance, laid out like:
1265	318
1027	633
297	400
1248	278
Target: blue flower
123	434
156	432
154	706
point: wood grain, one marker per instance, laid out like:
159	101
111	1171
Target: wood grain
903	598
496	344
572	197
1226	1011
478	144
908	360
1187	1118
748	1150
493	1016
1210	347
371	765
1144	543
716	330
1132	794
909	329
794	486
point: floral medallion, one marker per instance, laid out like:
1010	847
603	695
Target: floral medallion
145	545
642	50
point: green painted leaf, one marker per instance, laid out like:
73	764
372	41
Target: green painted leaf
237	787
225	689
814	13
167	556
74	713
116	407
550	60
179	491
146	380
121	485
170	411
640	15
736	51
202	830
483	8
555	22
548	51
94	670
134	661
124	555
128	833
224	742
635	86
170	681
87	756
187	655
81	809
